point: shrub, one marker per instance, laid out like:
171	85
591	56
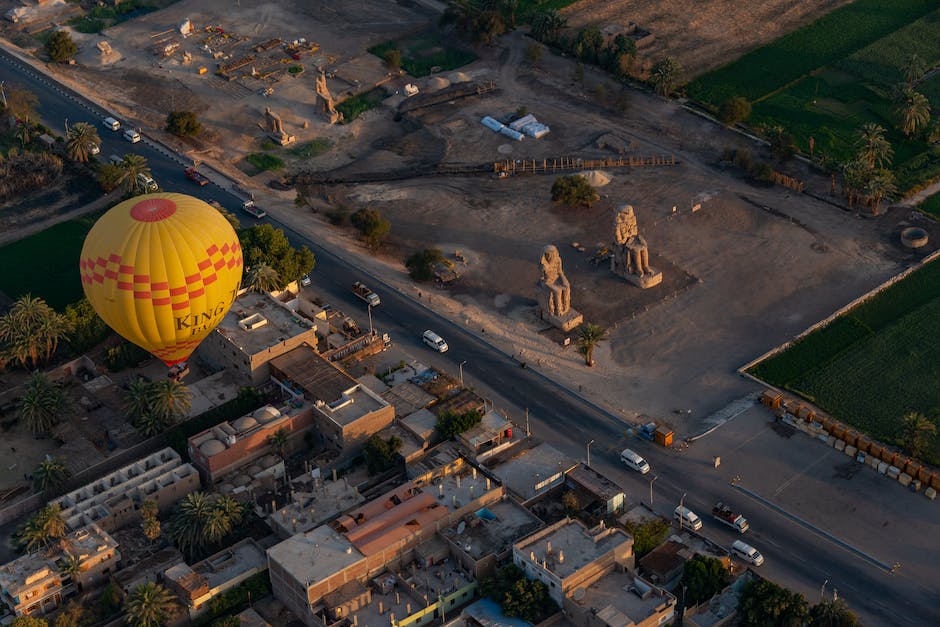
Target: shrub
574	191
392	58
372	225
264	161
380	455
60	46
450	424
734	110
421	264
182	123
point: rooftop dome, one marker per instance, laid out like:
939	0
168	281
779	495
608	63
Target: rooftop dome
253	470
241	480
266	414
212	447
245	423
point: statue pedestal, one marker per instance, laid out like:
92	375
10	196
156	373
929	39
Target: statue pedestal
282	139
567	321
650	279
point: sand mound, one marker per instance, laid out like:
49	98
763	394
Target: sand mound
438	83
596	178
459	77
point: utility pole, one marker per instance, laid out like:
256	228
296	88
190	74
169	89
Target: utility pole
461	371
681	500
3	95
527	432
655	477
371	334
589	453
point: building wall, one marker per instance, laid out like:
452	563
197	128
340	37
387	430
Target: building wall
253	368
584	616
124	511
349	438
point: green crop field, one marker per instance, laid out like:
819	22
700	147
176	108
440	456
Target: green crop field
46	264
829	78
873	364
931	205
422	53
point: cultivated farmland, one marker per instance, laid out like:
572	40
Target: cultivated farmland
873	364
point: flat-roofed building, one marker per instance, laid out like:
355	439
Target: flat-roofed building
113	501
198	584
150	569
620	599
345	411
35	584
314	501
493	435
255	330
597	487
568	555
532	472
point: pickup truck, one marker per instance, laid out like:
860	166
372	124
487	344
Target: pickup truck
251	208
726	515
196	177
365	294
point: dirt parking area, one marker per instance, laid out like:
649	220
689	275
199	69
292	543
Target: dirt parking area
702	34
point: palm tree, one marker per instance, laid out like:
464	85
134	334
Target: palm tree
913	111
137	399
225	514
547	25
589	336
150	424
880	186
46	527
913	70
187	527
510	7
23	134
855	177
110	176
148	605
263	278
278	441
70	566
50	474
133	166
666	76
917	429
40	403
81	136
170	400
833	613
31	331
150	522
874	148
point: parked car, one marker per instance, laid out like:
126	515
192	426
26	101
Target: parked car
634	461
94	149
305	280
435	341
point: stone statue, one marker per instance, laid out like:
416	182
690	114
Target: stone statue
325	104
555	292
275	128
630	258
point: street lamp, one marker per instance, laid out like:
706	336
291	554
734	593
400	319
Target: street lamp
589	453
681	499
655	477
371	333
822	590
3	94
461	371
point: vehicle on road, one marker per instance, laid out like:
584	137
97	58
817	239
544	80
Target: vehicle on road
724	514
146	183
252	209
94	149
132	136
366	295
747	553
634	461
116	159
111	123
305	280
196	176
687	518
435	341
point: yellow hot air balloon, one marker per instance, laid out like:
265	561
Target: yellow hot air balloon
162	270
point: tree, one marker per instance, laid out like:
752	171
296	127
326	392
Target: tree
917	430
372	225
835	613
41	402
73	615
380	455
782	143
60	46
666	76
227	621
110	176
137	399
279	441
29	621
647	535
880	185
202	519
149	605
703	577
913	111
170	400
88	329
392	59
765	604
23	134
913	70
150	523
479	21
422	264
81	137
31	330
20	102
264	243
134	168
183	123
589	336
110	600
734	110
533	53
547	25
450	424
70	566
50	474
262	278
574	191
518	596
874	149
571	503
45	527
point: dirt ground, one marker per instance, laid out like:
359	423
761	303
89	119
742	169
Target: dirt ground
754	266
702	34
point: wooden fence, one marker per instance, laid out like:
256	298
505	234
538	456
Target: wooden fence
561	164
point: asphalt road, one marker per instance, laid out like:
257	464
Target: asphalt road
795	557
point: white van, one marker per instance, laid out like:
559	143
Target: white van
687	518
146	183
634	461
747	553
111	123
435	341
132	136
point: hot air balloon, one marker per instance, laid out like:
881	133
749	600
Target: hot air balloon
162	270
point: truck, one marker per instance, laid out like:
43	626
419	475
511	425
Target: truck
365	294
251	208
196	177
726	515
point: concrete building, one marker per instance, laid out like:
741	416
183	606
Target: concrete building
663	565
532	472
597	487
314	501
35	584
198	584
568	555
620	599
256	329
493	435
231	445
148	570
345	412
113	501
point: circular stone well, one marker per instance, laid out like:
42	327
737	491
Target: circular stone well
914	237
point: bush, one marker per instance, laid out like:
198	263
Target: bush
450	424
60	46
381	455
264	161
124	355
372	225
236	599
518	596
338	215
574	191
647	535
734	110
88	328
421	265
182	123
392	58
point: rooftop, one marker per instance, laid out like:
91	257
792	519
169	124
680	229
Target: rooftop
148	568
528	468
487	613
88	542
315	555
227	564
492	425
354	403
257	322
251	618
618	606
315	376
492	529
422	422
568	545
407	398
460	403
594	482
217	439
663	559
315	501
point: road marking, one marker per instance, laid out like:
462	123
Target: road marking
787	483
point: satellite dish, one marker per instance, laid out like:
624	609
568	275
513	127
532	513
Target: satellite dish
461	527
578	594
